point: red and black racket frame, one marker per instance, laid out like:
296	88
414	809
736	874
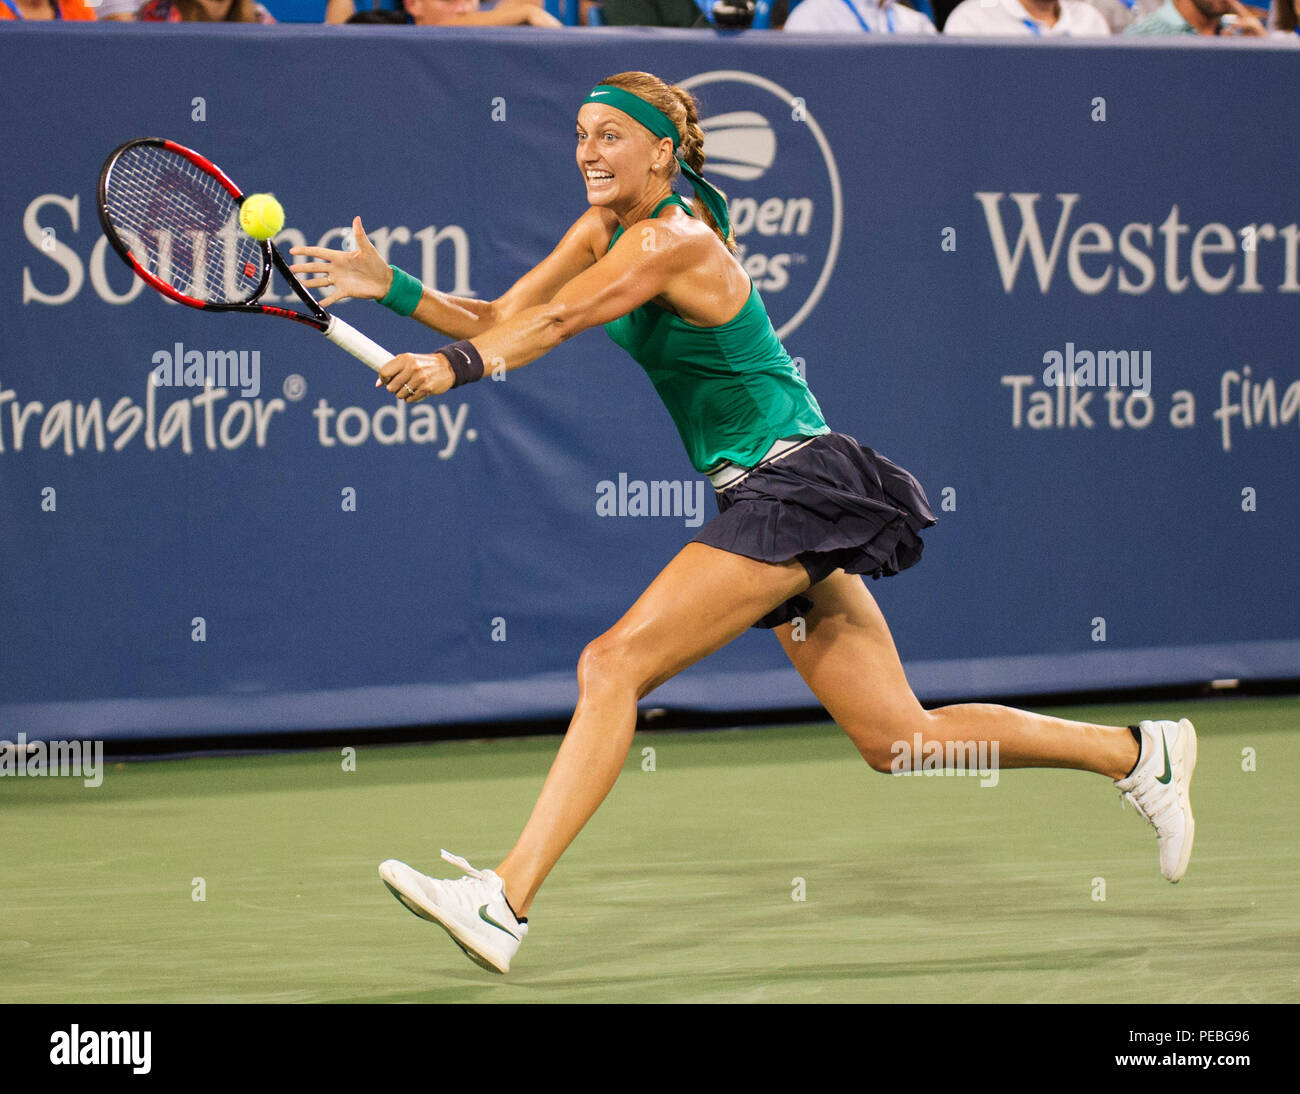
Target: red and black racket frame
271	258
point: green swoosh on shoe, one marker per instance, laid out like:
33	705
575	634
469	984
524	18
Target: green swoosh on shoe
483	915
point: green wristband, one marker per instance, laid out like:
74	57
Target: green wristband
404	293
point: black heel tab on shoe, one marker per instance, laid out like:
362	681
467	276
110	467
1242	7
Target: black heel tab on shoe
1137	736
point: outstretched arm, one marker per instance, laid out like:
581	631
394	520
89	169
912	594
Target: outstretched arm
627	277
364	275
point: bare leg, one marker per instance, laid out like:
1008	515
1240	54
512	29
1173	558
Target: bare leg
700	601
847	658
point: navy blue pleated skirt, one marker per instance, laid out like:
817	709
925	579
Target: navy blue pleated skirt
832	504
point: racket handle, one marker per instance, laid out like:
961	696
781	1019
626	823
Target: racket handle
364	349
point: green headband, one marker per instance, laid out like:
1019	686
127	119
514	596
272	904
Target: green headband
661	125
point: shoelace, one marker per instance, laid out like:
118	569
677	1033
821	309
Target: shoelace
456	860
1139	799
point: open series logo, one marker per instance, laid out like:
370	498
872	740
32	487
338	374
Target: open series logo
771	157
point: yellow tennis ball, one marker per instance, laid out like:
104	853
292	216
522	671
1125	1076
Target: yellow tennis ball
261	216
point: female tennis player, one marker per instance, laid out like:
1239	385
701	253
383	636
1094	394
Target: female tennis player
802	511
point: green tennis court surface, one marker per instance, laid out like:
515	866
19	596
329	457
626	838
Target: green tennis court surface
917	889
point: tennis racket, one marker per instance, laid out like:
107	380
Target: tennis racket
173	216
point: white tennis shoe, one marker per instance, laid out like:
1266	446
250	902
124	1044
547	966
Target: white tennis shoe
1158	790
473	910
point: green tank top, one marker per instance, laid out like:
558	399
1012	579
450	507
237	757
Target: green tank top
732	390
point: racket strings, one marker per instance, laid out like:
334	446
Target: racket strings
182	225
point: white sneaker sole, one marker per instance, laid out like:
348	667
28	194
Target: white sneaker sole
391	874
1187	757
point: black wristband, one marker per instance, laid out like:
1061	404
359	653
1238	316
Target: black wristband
466	364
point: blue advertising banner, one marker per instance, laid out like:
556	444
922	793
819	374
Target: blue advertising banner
1045	278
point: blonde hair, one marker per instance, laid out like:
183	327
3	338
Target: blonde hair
681	108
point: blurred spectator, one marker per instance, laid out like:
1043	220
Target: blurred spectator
1282	17
653	13
342	11
122	11
28	10
942	9
468	13
449	13
871	16
1197	17
1013	18
203	11
1120	13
